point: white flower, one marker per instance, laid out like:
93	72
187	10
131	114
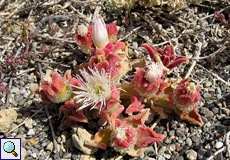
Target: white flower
95	88
154	72
100	34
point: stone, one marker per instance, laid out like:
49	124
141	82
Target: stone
160	158
23	139
161	151
7	117
175	156
33	141
191	155
180	132
44	156
44	119
209	114
172	133
80	136
219	145
208	153
207	84
34	155
194	139
31	132
23	153
167	156
64	136
22	102
180	158
87	157
149	151
218	90
215	110
33	87
50	146
203	110
189	142
101	122
207	95
13	125
200	154
29	124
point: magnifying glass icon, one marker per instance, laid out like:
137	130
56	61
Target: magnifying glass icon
9	147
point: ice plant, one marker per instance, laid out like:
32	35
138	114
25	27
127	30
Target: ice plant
149	83
55	88
112	31
77	115
185	97
100	37
111	64
83	36
167	57
127	133
94	89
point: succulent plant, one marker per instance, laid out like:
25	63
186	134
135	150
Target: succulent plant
185	97
97	86
54	88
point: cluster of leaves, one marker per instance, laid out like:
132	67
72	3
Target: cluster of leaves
97	86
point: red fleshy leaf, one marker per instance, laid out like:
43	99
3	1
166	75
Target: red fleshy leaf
68	106
137	119
146	136
152	50
112	110
136	105
43	97
193	117
78	116
177	62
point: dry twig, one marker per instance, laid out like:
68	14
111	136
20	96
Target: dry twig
56	156
24	121
214	75
197	54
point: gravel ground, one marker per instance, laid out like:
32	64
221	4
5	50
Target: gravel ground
192	30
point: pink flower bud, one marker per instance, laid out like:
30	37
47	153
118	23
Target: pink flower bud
100	34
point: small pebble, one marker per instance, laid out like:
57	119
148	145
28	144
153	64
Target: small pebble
218	90
160	158
34	155
44	119
191	155
218	145
180	132
207	84
172	133
29	124
200	154
161	151
207	95
22	102
101	122
31	132
194	139
189	142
